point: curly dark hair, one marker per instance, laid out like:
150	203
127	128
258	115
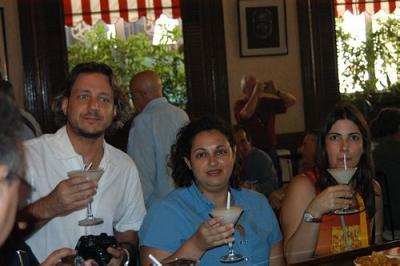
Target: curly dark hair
11	151
363	178
181	173
121	102
387	122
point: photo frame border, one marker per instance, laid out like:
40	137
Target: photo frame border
243	35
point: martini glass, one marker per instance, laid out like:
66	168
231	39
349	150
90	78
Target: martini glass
93	175
343	177
231	215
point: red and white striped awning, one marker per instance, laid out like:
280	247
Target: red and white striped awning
90	11
370	6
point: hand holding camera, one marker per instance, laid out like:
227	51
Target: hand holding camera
269	87
95	247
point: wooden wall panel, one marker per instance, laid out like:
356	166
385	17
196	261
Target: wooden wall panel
318	59
44	56
205	59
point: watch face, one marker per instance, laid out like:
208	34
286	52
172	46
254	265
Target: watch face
309	218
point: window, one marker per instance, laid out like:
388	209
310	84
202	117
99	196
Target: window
368	49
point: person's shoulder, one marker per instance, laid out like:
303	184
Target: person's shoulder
177	112
119	156
167	108
171	201
256	152
28	116
251	196
39	141
301	183
241	101
377	187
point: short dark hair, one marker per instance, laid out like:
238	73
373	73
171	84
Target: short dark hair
121	103
365	172
11	151
7	88
238	127
181	173
314	132
387	122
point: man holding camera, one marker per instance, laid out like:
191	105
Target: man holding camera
256	110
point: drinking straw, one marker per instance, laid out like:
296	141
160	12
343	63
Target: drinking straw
87	167
228	201
344	160
345	233
154	260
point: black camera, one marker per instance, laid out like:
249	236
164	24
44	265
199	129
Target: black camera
95	247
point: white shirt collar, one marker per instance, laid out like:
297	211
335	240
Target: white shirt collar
63	149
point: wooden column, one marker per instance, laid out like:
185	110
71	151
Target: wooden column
44	56
205	58
318	59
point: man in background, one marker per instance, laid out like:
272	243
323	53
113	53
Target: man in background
152	133
29	128
307	150
257	109
257	170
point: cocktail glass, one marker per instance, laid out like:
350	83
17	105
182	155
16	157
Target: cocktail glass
231	215
343	177
94	175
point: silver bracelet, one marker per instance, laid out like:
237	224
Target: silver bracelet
127	256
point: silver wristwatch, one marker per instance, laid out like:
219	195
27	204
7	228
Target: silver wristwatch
309	218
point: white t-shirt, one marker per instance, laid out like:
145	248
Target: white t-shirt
119	198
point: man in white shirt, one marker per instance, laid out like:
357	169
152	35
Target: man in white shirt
152	133
90	104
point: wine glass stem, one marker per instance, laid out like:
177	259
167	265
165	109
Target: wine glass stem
230	245
89	211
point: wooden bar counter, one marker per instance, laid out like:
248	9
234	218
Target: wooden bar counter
347	258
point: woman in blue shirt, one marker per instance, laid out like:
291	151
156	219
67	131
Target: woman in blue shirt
179	225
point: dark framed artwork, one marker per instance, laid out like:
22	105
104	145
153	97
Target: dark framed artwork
3	48
262	27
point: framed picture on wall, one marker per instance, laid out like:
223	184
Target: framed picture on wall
262	27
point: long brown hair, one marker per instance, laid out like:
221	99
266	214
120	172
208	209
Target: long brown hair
363	178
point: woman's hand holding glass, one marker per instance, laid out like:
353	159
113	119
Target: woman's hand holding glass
331	199
212	233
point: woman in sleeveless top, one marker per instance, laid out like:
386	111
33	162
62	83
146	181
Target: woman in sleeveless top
309	225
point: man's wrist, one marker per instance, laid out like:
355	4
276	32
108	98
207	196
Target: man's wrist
129	250
127	257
